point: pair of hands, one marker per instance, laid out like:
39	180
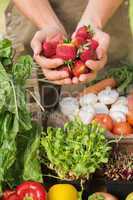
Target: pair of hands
49	65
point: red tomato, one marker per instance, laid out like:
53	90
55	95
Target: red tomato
105	120
130	102
130	118
122	128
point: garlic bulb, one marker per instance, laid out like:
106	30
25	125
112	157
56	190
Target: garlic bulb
86	114
101	108
108	96
88	99
69	106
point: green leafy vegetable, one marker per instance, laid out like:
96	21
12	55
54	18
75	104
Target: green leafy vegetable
15	120
32	170
27	165
76	150
5	52
22	69
123	75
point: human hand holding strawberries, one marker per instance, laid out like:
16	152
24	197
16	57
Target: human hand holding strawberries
96	61
78	59
49	37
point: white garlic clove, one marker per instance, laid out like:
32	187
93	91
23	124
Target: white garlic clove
88	99
86	117
108	96
69	106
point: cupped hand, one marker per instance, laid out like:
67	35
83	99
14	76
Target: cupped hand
49	66
96	65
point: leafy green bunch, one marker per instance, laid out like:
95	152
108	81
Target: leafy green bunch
76	150
15	119
123	74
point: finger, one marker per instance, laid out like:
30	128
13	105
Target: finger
54	75
66	81
87	77
36	43
101	52
73	35
75	80
96	65
48	63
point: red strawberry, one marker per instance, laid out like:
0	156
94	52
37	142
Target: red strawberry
66	51
84	32
66	69
94	44
87	54
78	41
79	68
49	48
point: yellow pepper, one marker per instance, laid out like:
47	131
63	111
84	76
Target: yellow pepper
62	192
130	196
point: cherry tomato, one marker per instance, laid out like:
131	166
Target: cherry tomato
122	128
105	120
130	118
130	102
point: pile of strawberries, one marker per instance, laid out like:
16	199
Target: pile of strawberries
74	52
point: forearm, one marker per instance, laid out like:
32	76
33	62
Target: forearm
98	12
39	12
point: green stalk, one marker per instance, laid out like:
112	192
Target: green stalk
15	99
